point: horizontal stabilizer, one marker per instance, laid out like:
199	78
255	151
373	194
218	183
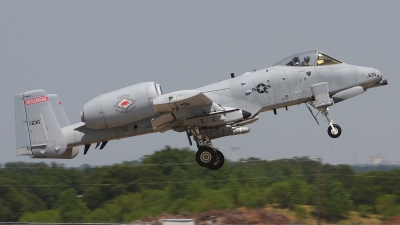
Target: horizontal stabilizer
70	153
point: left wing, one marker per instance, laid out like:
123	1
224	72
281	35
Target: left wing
179	100
191	107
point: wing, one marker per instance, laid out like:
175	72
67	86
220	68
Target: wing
192	107
180	100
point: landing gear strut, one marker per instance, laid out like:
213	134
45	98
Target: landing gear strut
207	155
334	130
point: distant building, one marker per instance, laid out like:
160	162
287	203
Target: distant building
178	222
378	160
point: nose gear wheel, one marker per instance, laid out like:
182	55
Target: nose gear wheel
334	131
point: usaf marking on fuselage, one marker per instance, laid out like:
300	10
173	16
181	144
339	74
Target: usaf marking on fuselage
210	112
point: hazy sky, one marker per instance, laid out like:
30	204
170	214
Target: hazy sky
81	49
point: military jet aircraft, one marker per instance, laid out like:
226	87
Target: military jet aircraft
217	110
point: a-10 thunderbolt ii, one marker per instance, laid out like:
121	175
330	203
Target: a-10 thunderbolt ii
216	110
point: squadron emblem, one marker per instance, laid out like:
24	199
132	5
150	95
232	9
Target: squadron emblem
124	105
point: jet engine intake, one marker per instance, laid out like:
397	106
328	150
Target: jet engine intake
121	107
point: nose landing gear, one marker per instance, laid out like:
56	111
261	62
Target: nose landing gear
334	130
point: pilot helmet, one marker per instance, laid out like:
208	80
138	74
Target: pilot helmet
307	58
296	59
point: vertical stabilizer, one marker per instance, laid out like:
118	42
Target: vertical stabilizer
63	121
38	133
58	110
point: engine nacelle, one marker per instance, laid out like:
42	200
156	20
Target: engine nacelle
121	107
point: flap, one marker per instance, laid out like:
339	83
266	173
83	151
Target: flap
162	120
212	114
180	99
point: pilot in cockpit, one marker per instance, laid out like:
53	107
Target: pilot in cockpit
294	62
306	60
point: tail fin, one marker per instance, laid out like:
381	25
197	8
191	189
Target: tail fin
38	117
58	110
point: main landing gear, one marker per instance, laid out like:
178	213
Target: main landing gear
206	155
334	130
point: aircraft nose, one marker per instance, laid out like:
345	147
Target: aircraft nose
371	76
380	81
377	73
373	79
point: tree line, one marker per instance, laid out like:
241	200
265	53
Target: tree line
169	181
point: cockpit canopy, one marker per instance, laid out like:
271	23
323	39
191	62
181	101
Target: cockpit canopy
310	58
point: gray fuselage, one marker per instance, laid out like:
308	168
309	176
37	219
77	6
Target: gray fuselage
259	91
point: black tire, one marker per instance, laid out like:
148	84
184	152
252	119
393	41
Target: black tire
205	156
333	135
219	162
